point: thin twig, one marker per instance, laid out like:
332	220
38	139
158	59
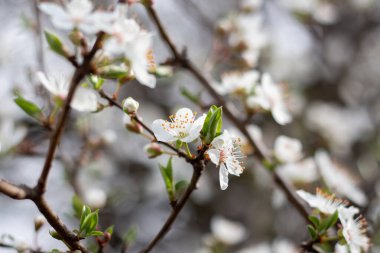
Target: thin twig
188	65
197	172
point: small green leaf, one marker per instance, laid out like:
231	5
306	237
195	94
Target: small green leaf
77	205
180	186
96	81
130	236
314	220
55	43
55	235
28	107
90	223
113	72
95	233
328	222
167	174
313	233
86	211
110	229
212	126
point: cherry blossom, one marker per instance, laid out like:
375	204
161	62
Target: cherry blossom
182	126
287	150
225	153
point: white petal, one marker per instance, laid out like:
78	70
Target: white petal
195	129
184	112
143	76
223	177
162	133
281	115
84	100
48	84
214	155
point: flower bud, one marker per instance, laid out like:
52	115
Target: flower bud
153	150
76	37
38	223
130	105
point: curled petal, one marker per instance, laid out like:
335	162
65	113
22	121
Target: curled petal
214	155
223	177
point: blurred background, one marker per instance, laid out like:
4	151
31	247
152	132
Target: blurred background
327	54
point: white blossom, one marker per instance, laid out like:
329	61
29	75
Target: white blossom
269	96
95	197
225	153
226	231
182	126
287	150
130	105
354	231
84	100
304	171
338	179
76	14
129	39
239	83
324	202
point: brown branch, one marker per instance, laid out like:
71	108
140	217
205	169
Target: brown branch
189	66
79	74
14	191
198	167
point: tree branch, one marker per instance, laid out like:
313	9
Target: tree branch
14	191
198	167
189	66
79	74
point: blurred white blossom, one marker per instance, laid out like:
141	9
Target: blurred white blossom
10	135
338	179
84	100
226	231
287	150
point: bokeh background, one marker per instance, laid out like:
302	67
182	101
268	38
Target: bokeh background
326	52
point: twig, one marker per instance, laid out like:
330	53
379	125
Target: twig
80	72
197	172
188	65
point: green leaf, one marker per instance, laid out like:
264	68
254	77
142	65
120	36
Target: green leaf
167	174
96	81
55	43
77	205
90	223
28	107
314	220
130	237
195	98
110	229
328	222
55	235
212	126
180	186
86	211
313	233
113	72
95	233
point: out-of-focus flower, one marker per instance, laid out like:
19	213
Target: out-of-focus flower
324	202
287	150
129	39
227	231
354	231
239	83
278	246
182	126
225	153
76	14
130	105
260	248
338	179
341	127
95	197
304	171
84	100
269	96
10	135
341	248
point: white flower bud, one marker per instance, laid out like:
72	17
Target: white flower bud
130	105
96	198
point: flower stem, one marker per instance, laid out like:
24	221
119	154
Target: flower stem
188	150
